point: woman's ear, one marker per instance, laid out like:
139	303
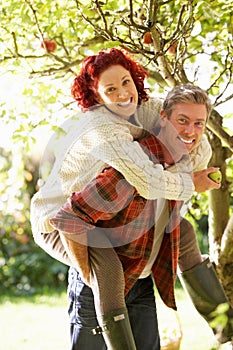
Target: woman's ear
99	99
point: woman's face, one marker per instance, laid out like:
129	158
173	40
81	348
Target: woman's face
116	90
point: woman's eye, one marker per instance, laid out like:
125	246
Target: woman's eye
111	89
126	81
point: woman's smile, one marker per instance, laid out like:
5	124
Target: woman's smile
125	104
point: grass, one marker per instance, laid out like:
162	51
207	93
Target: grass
196	334
38	322
41	323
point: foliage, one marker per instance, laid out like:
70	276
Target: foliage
81	27
187	39
24	266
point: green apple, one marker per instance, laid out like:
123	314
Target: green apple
216	176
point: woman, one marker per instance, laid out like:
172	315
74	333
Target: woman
105	135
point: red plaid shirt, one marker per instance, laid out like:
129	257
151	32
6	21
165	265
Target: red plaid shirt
111	204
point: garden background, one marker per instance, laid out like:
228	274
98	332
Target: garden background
41	46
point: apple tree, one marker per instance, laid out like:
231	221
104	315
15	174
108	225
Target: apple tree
177	41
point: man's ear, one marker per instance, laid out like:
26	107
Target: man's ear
163	118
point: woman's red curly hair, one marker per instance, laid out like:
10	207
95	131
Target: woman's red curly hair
84	85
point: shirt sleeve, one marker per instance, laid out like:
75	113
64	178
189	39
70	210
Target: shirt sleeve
101	199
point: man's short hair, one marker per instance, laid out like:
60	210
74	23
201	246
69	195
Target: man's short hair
186	93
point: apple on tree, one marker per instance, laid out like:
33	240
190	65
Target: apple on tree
147	38
172	49
49	45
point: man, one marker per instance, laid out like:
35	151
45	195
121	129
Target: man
111	222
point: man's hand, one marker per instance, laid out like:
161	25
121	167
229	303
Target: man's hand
202	182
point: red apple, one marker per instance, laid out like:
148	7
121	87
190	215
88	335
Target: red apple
172	49
49	45
147	38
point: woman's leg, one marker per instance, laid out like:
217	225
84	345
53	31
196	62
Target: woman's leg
100	268
108	284
106	280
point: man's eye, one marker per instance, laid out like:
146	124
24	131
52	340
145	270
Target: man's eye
182	121
200	124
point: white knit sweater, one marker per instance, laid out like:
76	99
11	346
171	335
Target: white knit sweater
98	138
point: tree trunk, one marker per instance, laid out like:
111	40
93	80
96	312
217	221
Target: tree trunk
225	260
220	227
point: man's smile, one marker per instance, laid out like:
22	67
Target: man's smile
186	141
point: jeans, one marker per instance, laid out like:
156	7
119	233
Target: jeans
141	307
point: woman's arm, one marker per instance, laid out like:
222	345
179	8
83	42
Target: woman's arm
114	145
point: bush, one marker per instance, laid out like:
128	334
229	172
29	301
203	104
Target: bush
24	267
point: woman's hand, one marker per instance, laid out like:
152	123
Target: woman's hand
202	182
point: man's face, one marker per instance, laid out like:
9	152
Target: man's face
182	131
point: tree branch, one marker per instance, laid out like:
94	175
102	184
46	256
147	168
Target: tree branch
226	68
15	44
224	101
131	16
53	70
229	69
36	20
216	128
160	57
98	7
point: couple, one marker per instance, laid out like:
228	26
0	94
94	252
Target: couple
128	162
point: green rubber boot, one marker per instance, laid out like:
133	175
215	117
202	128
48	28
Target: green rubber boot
206	293
116	330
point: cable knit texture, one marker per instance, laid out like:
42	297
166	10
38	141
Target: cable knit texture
97	138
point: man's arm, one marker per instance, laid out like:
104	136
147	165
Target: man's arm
202	182
200	158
